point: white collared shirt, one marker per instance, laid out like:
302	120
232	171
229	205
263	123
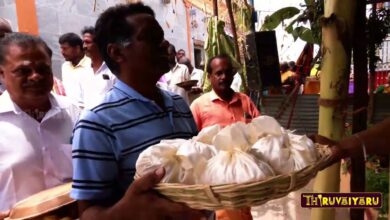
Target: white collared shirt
176	75
72	79
197	74
96	85
34	156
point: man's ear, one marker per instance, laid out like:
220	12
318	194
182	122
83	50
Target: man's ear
115	52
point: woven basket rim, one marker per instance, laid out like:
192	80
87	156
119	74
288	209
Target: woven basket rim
238	195
268	179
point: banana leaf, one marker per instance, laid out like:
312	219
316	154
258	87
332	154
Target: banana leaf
218	42
304	33
274	20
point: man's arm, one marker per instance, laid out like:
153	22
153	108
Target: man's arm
375	139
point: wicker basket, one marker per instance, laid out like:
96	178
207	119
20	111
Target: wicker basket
233	196
53	203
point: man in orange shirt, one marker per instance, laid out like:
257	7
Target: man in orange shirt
223	106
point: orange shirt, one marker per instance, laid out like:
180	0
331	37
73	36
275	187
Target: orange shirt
209	109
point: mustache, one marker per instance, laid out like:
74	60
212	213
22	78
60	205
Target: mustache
40	83
223	82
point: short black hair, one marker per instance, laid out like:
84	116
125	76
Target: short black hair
181	50
22	40
220	56
72	39
112	27
88	30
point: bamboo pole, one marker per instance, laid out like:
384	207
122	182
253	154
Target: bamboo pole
337	35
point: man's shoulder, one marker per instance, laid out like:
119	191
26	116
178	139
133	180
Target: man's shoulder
65	65
85	62
106	70
112	100
68	105
182	68
172	95
6	103
203	99
242	95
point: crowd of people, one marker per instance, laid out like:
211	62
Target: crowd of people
121	96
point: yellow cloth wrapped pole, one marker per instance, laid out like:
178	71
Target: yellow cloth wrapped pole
337	33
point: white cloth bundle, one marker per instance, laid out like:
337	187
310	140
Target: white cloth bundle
233	163
303	150
207	134
232	137
273	150
194	151
236	153
262	126
183	160
285	153
235	166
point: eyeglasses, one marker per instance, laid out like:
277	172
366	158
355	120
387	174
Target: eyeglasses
124	42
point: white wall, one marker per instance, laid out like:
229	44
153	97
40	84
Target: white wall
8	11
172	18
62	16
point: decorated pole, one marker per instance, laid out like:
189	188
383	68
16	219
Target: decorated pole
337	38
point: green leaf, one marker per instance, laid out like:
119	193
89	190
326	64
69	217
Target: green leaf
289	28
274	20
304	33
295	34
218	42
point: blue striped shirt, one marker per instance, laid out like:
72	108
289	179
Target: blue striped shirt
108	139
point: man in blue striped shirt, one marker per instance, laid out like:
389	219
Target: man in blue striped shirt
134	115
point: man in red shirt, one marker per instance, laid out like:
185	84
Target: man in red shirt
223	106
